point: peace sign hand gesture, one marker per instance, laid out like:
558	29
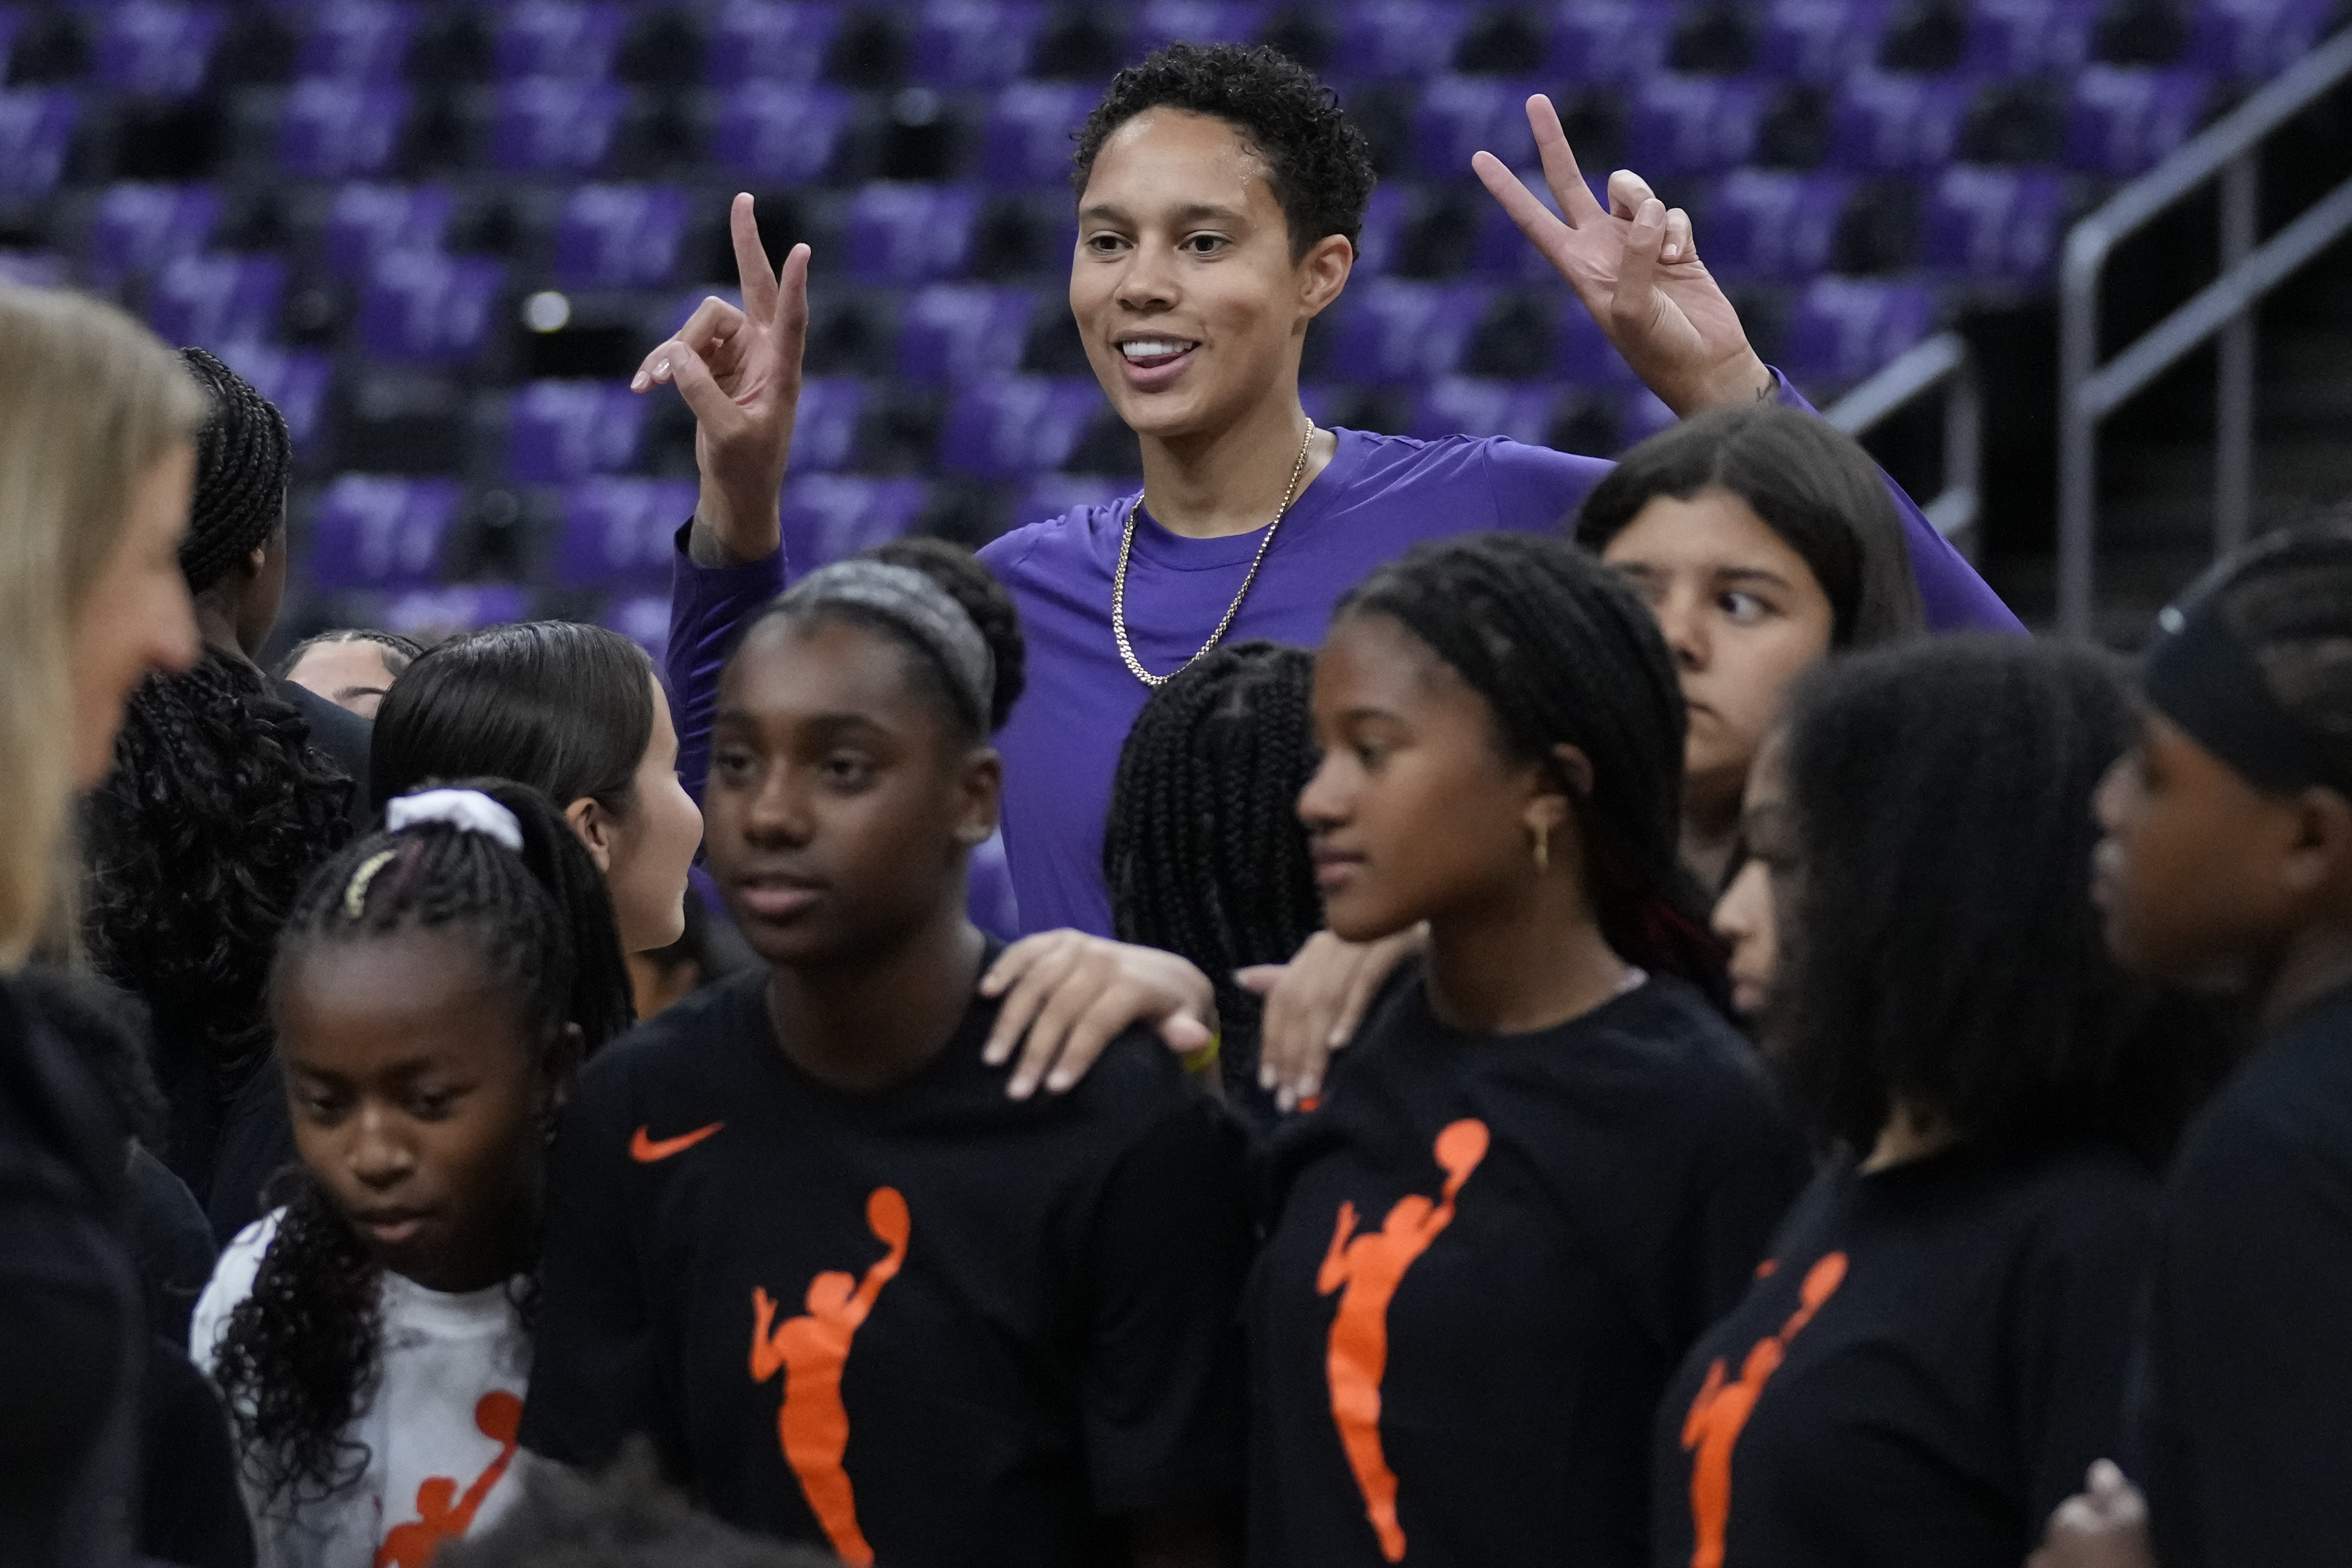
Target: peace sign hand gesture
1637	271
739	372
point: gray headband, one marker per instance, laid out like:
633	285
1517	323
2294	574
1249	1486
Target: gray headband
917	606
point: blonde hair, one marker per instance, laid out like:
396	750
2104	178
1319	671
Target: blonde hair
89	401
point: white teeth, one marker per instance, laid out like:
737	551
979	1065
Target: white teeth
1153	348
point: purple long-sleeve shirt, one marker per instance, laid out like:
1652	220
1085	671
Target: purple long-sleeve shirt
1379	496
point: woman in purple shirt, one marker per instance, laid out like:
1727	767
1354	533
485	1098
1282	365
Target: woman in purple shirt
1220	192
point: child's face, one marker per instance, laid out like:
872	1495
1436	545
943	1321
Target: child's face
842	804
418	1102
1748	915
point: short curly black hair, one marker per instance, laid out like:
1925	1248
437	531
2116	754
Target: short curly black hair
1320	165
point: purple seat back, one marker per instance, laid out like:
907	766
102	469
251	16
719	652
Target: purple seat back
907	234
2028	37
1885	123
824	431
1772	225
435	614
960	45
1998	225
1504	255
216	298
2251	39
1163	22
1461	115
37	126
1605	41
772	42
643	619
138	227
1395	333
375	530
330	130
357	41
562	431
1640	415
1695	124
620	237
1384	216
832	517
560	39
781	132
951	333
621	531
156	47
1017	426
1384	40
370	222
296	380
1843	328
420	308
546	126
1819	40
1459	405
1584	355
1028	139
2124	119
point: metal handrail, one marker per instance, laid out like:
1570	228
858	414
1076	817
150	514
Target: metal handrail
1941	361
2088	391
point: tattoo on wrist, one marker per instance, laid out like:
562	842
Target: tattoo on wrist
1765	392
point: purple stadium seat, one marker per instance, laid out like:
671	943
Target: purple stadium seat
1994	224
356	41
1845	328
37	126
619	531
33	268
560	431
138	227
824	432
904	234
832	517
1605	41
953	333
1819	40
1460	115
156	47
435	614
1384	219
373	530
1584	355
2255	38
1502	252
332	131
780	133
1196	21
1694	124
774	42
2123	120
1390	332
1028	139
12	22
368	222
544	126
1888	124
1017	426
1460	405
217	298
1640	415
1771	225
620	237
2028	37
557	38
643	619
420	308
296	380
960	45
1050	495
1382	40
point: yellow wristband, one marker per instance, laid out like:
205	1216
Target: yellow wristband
1202	1060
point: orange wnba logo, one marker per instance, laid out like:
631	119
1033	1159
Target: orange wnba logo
443	1516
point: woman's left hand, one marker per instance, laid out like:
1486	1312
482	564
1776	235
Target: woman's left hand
1066	996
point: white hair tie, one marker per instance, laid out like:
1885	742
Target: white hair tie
467	810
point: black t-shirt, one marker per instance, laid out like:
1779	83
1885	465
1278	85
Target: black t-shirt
1486	1257
2245	1442
1927	1364
932	1324
342	737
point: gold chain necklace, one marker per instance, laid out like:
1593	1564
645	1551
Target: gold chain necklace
1126	545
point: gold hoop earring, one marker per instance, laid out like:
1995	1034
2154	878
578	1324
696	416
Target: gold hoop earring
1543	849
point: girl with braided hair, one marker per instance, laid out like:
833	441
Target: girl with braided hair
1546	1131
435	987
352	668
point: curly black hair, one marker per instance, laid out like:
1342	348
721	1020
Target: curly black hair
198	841
1938	945
244	459
1319	164
298	1358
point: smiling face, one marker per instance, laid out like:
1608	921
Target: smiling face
1191	306
1747	915
1742	612
843	800
418	1101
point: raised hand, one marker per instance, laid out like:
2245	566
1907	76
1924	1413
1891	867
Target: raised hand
1637	270
739	372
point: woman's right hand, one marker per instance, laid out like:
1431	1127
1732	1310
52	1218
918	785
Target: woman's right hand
1314	1005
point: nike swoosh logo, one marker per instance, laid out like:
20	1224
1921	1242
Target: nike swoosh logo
645	1150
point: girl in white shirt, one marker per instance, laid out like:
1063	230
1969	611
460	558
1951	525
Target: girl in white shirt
435	988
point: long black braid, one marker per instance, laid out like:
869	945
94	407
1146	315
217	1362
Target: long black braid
216	812
1564	653
1203	852
244	458
298	1358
